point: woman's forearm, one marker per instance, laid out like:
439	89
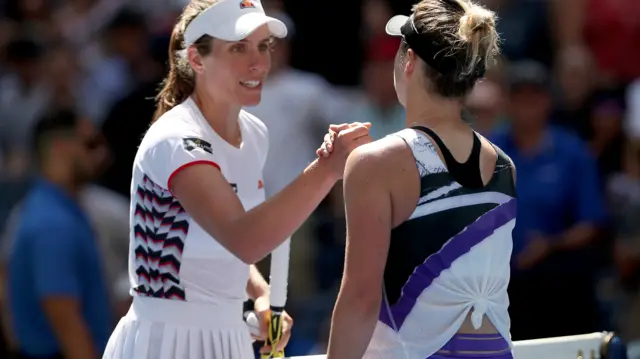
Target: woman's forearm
256	286
352	327
268	225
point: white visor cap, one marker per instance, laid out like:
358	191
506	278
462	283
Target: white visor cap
395	24
232	20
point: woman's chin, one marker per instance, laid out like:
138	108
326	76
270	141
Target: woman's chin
251	100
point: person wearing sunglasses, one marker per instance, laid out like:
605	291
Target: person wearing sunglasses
58	293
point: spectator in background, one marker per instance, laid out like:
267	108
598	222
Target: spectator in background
124	64
82	22
485	103
379	103
623	190
576	82
24	93
375	14
605	133
128	120
58	294
109	215
524	29
560	210
63	75
30	16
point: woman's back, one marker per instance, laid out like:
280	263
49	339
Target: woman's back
451	244
434	233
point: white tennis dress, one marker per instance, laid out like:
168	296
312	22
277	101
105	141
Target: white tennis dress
188	289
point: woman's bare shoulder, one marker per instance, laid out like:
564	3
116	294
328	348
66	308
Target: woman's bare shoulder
382	158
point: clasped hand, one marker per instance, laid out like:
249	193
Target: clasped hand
341	140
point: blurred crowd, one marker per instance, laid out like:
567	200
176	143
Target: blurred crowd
563	102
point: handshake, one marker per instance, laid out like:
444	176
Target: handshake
340	141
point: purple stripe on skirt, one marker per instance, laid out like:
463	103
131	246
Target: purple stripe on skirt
456	247
472	346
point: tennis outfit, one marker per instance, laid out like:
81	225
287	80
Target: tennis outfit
188	290
450	258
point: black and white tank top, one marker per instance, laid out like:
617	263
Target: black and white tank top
452	255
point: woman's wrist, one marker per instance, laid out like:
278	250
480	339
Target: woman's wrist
322	167
261	303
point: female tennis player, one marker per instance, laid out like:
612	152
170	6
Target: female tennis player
198	212
429	209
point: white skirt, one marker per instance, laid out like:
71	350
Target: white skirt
170	329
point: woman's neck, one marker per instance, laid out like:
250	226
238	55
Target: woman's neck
431	111
221	116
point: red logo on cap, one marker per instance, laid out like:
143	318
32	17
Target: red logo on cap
245	4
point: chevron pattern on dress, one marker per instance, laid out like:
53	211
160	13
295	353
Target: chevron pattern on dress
160	228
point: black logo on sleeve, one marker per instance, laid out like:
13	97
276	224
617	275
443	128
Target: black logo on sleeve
191	143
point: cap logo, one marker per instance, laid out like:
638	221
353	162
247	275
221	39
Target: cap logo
246	4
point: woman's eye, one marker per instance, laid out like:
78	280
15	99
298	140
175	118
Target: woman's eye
238	48
265	47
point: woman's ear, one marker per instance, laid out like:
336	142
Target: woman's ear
195	60
410	64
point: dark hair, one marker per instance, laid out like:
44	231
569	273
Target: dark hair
461	40
180	82
62	121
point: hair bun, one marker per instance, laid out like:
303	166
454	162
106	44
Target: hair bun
476	20
477	31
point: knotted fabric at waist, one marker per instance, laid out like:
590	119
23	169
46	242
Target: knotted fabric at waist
479	310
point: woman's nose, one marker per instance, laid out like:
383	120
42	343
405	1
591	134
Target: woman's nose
260	62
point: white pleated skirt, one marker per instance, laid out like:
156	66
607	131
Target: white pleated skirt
170	329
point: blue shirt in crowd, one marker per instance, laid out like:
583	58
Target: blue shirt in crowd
557	186
55	254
